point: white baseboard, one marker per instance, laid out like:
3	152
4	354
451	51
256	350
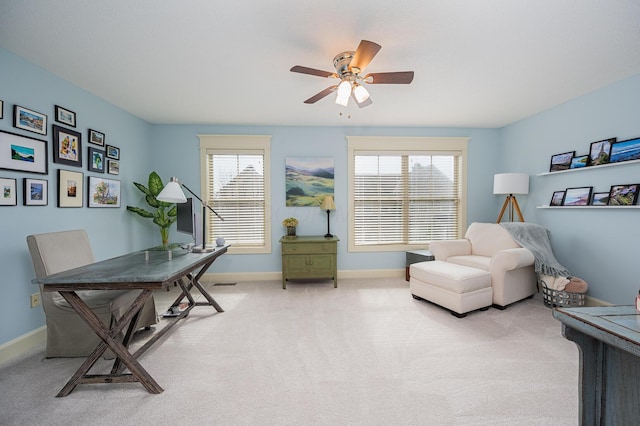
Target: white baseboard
592	301
22	344
277	276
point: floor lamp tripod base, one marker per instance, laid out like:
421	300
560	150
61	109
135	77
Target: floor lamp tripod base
512	203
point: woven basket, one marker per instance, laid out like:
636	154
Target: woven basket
561	299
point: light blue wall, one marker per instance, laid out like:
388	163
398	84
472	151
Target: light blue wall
112	231
176	153
600	246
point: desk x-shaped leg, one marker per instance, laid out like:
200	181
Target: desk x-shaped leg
194	281
109	340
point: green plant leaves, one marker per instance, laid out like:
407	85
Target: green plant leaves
141	212
155	184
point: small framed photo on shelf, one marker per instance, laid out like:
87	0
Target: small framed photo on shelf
579	161
27	119
1	110
35	192
96	137
561	161
67	146
623	195
23	153
577	196
103	192
113	167
600	151
65	116
625	150
70	188
600	199
96	161
8	194
113	152
556	198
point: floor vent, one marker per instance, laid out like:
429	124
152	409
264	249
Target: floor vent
225	283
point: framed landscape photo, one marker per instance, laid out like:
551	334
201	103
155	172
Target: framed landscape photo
35	192
23	153
8	194
67	146
623	195
625	150
561	161
600	151
96	160
113	167
70	188
65	116
96	137
600	199
32	121
556	198
113	152
103	192
579	161
577	196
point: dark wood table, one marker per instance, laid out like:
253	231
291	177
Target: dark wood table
145	270
609	342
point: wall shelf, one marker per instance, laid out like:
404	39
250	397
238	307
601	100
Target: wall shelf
589	207
580	169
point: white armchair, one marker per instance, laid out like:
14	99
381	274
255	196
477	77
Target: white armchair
488	246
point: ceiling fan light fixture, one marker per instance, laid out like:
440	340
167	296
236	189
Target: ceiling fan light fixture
361	94
344	91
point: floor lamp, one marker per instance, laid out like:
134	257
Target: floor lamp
511	184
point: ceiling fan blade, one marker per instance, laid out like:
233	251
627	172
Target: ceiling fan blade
312	71
364	54
362	104
402	77
315	98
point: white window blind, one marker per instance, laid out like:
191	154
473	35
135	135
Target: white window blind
236	185
406	192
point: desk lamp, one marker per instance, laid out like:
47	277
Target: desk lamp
328	205
510	184
172	193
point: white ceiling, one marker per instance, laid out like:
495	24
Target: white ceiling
482	63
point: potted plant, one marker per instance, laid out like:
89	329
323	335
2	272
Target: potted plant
165	213
290	223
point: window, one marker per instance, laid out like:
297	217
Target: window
405	192
236	184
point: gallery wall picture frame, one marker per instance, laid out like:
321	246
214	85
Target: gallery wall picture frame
8	192
624	195
625	150
600	199
1	109
580	196
67	146
95	160
65	116
29	120
556	198
35	192
70	188
113	152
600	151
103	192
113	167
23	153
96	137
579	161
561	161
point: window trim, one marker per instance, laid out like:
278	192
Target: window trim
236	144
404	145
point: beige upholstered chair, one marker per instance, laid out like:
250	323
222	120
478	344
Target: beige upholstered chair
67	334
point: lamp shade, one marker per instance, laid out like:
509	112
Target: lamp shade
511	183
327	203
172	193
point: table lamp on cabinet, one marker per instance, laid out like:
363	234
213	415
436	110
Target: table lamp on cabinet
328	205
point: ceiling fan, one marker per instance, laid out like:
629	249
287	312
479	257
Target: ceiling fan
349	66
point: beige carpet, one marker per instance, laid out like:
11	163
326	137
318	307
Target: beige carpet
365	353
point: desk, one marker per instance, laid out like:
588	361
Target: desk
145	270
609	342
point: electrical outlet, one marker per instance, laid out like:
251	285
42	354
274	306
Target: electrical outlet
35	300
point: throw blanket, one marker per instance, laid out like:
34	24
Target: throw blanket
535	238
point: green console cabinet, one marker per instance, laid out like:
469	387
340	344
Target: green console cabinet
309	257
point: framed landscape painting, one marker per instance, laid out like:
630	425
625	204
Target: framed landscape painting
577	196
600	152
308	181
625	150
556	198
8	194
600	199
35	192
561	161
103	192
70	188
22	153
623	195
32	121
